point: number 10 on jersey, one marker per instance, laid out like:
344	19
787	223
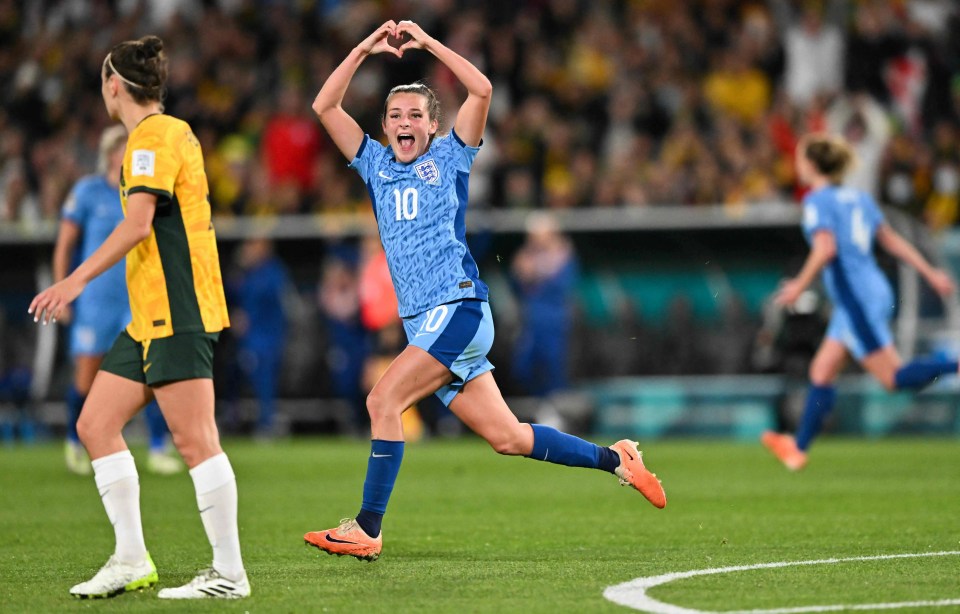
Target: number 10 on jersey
407	203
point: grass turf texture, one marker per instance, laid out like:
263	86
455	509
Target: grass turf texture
471	531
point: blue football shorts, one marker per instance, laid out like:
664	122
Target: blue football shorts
93	331
862	331
459	335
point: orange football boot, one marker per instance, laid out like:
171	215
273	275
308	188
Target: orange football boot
631	471
349	539
784	447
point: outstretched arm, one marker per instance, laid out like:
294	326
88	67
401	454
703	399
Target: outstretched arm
472	117
141	206
895	244
67	239
822	251
343	129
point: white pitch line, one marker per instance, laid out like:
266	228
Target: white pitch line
633	594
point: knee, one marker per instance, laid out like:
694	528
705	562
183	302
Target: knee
196	445
379	407
510	443
820	376
86	430
888	380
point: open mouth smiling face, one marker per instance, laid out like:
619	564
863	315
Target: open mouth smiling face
408	126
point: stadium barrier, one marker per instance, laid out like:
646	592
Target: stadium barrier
743	406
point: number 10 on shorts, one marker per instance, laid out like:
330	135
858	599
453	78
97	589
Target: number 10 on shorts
434	320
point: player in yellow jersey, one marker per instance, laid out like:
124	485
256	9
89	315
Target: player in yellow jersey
166	352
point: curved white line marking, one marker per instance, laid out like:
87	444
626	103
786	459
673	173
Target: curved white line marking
633	594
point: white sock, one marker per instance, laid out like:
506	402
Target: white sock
216	489
119	486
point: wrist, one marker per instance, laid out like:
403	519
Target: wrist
429	43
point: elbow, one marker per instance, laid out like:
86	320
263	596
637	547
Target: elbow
142	231
325	114
321	106
485	90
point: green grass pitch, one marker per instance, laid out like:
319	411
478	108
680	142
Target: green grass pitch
469	531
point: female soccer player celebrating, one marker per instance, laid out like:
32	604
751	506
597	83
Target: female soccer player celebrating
841	225
418	185
178	309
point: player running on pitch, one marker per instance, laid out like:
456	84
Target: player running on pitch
418	185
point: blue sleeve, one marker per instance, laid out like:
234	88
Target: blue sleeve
876	213
818	215
368	158
463	153
75	207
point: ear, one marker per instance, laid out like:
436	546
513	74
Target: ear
434	126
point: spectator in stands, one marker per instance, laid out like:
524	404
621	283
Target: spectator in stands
865	125
736	88
813	45
943	205
902	175
291	144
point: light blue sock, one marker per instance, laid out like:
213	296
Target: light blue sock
923	371
820	401
553	446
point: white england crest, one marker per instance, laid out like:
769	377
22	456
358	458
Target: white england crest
428	171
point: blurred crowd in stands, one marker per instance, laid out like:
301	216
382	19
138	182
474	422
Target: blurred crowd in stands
608	103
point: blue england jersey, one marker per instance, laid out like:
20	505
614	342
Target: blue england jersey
94	206
853	279
421	209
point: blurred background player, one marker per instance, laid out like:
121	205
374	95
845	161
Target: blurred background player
841	225
544	278
419	187
90	214
259	322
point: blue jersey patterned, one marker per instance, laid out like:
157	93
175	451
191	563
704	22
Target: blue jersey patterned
421	211
94	206
853	279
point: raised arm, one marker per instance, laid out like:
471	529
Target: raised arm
141	206
890	240
822	251
343	129
472	116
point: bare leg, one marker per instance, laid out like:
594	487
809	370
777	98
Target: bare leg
112	402
481	407
410	377
188	406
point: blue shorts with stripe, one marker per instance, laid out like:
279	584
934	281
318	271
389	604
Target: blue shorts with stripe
862	330
459	335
